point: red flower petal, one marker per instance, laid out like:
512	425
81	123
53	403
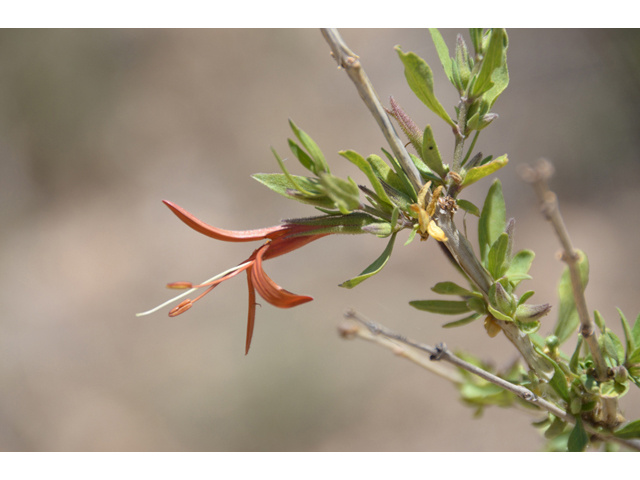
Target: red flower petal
252	311
269	290
225	235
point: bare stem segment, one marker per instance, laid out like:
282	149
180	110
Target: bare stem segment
537	176
349	61
361	327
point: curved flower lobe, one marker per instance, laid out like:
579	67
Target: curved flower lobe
221	234
269	290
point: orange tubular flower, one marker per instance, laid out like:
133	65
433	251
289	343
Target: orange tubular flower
281	239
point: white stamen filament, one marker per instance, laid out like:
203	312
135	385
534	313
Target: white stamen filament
184	294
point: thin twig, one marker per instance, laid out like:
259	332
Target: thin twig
389	339
349	61
537	176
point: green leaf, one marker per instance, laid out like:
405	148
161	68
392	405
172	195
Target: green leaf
568	319
302	157
477	305
635	331
345	194
279	183
412	235
359	161
499	77
476	173
628	337
476	38
450	288
579	439
444	307
384	172
311	147
558	382
499	315
407	186
497	255
398	198
426	173
290	177
520	264
420	80
599	321
431	154
443	51
492	220
556	428
468	207
575	358
630	430
464	321
611	347
525	296
494	59
374	268
529	327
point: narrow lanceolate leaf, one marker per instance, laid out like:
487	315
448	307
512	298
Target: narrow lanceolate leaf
279	183
463	321
628	336
431	154
579	439
420	80
302	157
575	358
450	288
374	268
444	307
359	161
558	382
492	220
493	60
520	265
499	77
611	347
407	186
384	172
427	174
630	430
468	207
568	319
443	51
290	177
635	332
344	193
499	315
498	255
476	173
314	151
412	234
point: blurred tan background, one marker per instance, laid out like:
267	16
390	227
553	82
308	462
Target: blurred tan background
97	127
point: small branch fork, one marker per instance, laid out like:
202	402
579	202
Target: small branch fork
360	327
349	61
538	176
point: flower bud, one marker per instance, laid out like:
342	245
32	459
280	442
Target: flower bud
621	375
408	126
378	228
529	313
486	120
